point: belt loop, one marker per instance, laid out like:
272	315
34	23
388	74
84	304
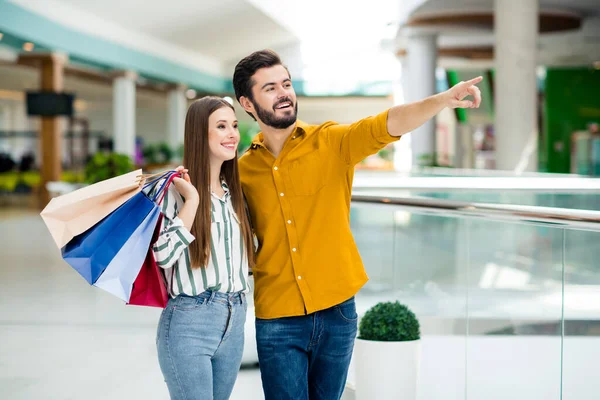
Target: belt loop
242	298
212	297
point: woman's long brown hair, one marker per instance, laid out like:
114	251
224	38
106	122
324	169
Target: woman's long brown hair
196	160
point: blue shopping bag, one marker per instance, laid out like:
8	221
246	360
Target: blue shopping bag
91	252
119	275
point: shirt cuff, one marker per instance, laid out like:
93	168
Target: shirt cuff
182	232
381	132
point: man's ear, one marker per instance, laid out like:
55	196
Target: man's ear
247	104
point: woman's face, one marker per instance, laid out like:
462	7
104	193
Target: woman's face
223	135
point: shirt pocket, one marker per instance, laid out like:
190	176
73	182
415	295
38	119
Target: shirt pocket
308	173
216	227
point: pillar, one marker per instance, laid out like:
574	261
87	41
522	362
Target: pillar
177	109
124	113
419	82
516	35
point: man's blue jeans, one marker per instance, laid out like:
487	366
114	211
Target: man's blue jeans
307	357
200	342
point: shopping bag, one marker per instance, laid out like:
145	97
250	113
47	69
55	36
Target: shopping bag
73	213
121	272
91	252
149	288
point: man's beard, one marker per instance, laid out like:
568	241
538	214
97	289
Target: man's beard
268	118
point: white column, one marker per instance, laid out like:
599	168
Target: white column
516	31
5	116
5	126
20	122
177	108
124	113
419	82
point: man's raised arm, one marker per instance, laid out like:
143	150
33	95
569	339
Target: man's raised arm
408	117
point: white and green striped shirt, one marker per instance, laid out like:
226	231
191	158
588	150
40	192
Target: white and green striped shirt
227	269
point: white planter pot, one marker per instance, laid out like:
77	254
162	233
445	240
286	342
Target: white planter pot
386	370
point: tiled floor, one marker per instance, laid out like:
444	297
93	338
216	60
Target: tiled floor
62	339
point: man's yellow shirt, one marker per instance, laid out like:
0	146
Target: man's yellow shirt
300	206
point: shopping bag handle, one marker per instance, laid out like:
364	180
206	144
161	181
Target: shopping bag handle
165	187
155	177
154	182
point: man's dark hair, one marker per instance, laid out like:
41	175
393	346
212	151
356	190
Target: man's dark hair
247	67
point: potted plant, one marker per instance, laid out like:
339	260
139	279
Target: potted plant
165	153
107	165
387	353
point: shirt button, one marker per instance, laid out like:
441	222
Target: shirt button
294	249
289	221
293	137
281	194
275	168
299	277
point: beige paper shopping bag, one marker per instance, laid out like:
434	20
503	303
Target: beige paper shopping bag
73	213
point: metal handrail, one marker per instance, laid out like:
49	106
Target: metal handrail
548	216
547	184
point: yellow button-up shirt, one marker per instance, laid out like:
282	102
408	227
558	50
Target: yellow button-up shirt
300	205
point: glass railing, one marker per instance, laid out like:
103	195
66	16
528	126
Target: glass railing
508	297
545	190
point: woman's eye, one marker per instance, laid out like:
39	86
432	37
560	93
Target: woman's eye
220	126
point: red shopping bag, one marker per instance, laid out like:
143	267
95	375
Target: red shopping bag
149	288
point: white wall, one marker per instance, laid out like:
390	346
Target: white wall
315	110
151	116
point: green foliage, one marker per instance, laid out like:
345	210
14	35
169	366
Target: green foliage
9	180
160	153
247	133
389	322
150	153
165	152
107	165
179	152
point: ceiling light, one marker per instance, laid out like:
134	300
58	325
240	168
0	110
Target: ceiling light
28	46
190	94
1	35
228	99
597	64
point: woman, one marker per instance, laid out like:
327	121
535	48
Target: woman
205	248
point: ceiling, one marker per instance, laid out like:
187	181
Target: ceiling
332	40
220	29
584	7
575	47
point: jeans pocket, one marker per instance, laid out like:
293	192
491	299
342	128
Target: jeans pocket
187	303
347	310
163	324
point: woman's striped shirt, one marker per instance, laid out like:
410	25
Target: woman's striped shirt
227	269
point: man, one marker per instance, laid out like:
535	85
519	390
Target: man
298	180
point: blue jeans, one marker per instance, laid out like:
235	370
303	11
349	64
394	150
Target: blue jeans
200	341
307	357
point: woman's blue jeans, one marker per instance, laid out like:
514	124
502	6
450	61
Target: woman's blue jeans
200	341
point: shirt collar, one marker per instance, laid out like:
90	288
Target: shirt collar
299	130
225	189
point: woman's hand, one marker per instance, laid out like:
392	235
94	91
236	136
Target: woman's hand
184	186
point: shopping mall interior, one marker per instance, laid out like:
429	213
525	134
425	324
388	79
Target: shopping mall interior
483	221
